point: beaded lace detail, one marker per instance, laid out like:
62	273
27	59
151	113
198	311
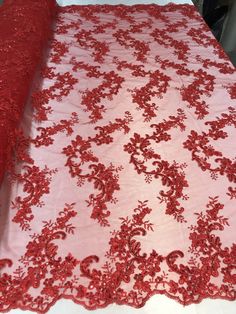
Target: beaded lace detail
121	176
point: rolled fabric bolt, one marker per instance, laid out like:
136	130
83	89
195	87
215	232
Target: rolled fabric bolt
23	38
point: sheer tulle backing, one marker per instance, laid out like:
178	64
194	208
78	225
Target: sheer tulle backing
125	181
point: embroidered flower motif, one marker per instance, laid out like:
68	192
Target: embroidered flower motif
171	175
105	179
84	116
206	156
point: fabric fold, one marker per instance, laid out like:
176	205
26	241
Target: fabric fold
25	27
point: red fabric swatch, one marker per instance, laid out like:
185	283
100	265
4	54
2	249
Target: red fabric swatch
126	184
25	26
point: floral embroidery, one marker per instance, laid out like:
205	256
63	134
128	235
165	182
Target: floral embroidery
125	260
63	83
203	37
174	27
224	67
202	84
46	136
171	175
40	267
58	51
86	40
157	86
35	184
91	99
105	178
232	90
180	48
22	40
125	103
124	39
203	152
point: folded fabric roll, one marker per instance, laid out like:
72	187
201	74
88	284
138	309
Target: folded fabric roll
24	30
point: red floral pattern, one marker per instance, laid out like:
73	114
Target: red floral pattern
203	152
126	145
171	175
47	133
62	85
232	90
105	178
203	37
125	263
35	185
156	87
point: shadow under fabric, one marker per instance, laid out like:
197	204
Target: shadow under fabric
25	27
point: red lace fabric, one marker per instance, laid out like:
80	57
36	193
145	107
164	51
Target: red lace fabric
126	185
24	29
